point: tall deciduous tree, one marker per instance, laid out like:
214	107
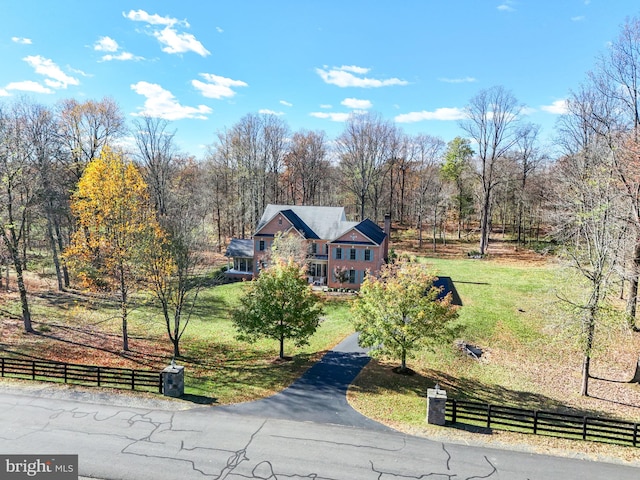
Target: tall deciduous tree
399	312
616	78
279	305
17	196
116	227
456	169
589	223
492	118
364	147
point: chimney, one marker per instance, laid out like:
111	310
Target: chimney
387	231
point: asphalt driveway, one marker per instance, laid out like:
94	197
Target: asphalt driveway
319	395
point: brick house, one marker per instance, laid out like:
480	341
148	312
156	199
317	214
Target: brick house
337	248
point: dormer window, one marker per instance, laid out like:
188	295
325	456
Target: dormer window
279	220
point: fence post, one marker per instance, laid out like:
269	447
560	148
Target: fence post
584	428
65	373
635	434
33	369
454	412
535	422
160	382
489	416
3	366
133	380
98	376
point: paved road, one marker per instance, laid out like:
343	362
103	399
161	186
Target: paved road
158	442
320	394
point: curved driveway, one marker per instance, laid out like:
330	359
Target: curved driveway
319	395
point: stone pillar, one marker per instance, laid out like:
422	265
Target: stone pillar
436	405
173	380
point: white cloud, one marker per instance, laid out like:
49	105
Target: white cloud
174	41
326	105
217	86
179	42
56	78
161	103
219	30
266	111
527	111
106	44
28	86
4	93
356	103
333	116
122	56
142	16
438	114
578	18
285	103
459	80
507	6
347	76
22	40
559	107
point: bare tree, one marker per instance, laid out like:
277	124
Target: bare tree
617	79
307	167
40	125
528	158
17	197
492	122
588	203
363	148
87	127
156	154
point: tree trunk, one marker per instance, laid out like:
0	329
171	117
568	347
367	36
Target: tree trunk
633	287
124	312
54	254
403	361
484	226
281	347
65	270
584	389
176	348
636	375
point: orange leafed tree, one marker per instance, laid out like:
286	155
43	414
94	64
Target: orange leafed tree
117	229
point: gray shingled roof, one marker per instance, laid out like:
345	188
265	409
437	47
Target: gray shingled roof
326	222
239	247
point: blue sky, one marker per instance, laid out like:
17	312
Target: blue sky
204	64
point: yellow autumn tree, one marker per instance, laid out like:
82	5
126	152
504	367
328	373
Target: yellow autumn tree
117	229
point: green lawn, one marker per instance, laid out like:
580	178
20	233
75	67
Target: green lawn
83	328
511	311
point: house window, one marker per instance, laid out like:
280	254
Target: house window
352	276
352	254
243	264
367	255
261	245
338	253
326	249
279	220
314	248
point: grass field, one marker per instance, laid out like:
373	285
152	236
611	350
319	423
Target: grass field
511	311
77	327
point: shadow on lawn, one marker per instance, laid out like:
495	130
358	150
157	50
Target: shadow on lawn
380	378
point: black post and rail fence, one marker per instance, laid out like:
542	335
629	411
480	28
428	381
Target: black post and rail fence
543	423
46	370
